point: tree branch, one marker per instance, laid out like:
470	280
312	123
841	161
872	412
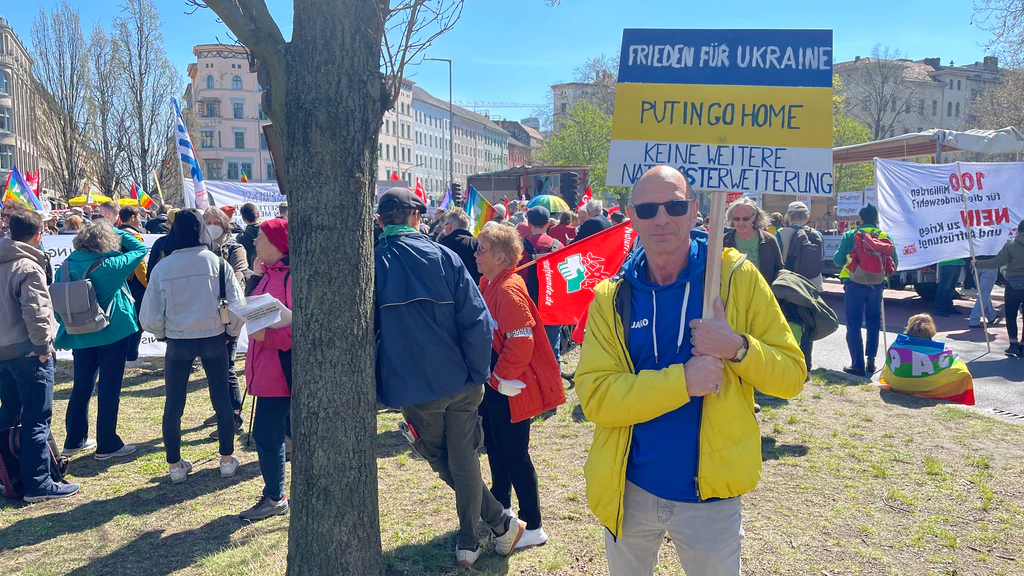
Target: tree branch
252	24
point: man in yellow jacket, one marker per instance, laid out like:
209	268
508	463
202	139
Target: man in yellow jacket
672	395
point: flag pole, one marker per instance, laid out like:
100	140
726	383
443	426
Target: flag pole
159	192
716	239
970	242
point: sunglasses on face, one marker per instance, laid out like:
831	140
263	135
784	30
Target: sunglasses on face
648	210
742	218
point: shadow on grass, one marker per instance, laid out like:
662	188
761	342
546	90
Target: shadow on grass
155	496
772	450
63	388
908	401
766	401
834	378
84	465
392	443
438	557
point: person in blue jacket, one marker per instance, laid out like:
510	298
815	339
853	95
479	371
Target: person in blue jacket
428	312
102	352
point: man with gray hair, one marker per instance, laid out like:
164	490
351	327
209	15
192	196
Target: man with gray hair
458	239
595	221
801	245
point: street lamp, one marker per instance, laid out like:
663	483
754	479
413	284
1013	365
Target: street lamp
451	124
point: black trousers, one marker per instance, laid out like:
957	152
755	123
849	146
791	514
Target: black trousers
177	367
1014	300
508	453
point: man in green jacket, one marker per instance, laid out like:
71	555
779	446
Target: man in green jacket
863	303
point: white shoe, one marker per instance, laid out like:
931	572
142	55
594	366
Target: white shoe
180	474
227	469
466	558
126	450
140	363
536	537
69	452
505	544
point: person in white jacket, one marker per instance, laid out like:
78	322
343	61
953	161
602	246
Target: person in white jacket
185	304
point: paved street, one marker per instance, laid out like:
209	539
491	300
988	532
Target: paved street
998	379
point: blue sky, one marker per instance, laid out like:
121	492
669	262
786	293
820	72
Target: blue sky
512	50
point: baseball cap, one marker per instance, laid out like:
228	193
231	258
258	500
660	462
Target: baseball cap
400	199
797	207
538	216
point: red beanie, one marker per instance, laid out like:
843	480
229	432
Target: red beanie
276	230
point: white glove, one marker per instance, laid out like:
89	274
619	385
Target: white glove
510	387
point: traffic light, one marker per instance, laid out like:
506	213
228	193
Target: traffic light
570	188
457	194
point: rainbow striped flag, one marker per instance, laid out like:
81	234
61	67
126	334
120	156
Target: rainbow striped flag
244	178
139	194
927	369
446	202
18	190
479	210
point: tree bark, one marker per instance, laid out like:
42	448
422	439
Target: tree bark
332	103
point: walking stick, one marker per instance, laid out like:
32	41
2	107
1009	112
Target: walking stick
252	410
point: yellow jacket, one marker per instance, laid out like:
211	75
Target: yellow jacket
615	398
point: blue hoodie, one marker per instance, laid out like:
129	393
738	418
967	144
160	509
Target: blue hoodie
663	455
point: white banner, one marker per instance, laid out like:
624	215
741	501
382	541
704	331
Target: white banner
848	204
267	197
59	247
922	207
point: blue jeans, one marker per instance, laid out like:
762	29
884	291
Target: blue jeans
269	430
109	361
213	352
555	338
948	278
987	277
26	394
863	305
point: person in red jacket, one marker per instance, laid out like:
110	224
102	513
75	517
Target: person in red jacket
525	378
268	368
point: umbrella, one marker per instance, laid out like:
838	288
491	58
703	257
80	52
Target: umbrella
96	198
127	202
552	203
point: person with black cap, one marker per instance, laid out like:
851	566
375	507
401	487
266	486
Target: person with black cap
428	312
863	302
535	245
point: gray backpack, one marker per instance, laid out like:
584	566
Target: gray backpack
75	302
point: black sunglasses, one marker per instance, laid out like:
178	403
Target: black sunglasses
649	210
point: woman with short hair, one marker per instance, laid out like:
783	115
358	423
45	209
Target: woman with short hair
747	224
72	224
525	378
106	256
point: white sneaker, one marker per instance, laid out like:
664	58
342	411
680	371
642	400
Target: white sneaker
69	452
227	469
536	537
505	544
140	363
180	474
126	450
466	558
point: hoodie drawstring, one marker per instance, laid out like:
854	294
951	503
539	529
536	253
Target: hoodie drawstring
654	325
682	318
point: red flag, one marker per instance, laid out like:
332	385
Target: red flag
33	181
613	210
420	192
567	277
132	193
394	176
587	197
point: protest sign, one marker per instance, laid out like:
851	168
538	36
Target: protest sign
735	110
921	206
267	196
848	204
871	196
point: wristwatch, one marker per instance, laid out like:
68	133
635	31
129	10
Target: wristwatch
742	352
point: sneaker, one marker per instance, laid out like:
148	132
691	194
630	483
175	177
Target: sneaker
757	408
69	452
466	558
126	450
59	490
265	508
855	372
180	474
506	543
870	369
536	537
228	469
140	363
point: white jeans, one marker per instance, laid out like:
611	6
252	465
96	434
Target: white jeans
707	535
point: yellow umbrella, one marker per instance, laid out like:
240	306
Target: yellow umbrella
96	199
127	202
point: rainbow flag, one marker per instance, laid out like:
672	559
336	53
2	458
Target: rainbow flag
479	210
18	190
446	202
244	178
927	369
138	194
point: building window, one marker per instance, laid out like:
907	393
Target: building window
950	83
211	109
213	169
6	157
271	175
232	170
236	82
906	107
387	151
238	110
262	115
957	109
263	141
949	108
239	140
5	83
958	85
5	120
206	139
935	107
209	81
247	169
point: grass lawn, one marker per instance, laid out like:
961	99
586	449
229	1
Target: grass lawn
856	481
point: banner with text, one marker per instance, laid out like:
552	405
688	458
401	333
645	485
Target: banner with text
848	204
267	197
735	110
921	206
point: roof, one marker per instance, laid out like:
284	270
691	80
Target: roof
231	47
925	143
533	133
513	142
421	94
913	70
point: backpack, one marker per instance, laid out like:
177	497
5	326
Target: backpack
10	465
530	253
871	258
806	250
76	304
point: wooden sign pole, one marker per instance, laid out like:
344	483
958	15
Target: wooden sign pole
716	237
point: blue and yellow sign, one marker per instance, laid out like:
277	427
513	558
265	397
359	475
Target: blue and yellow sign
737	110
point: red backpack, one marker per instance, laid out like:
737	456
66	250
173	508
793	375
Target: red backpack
871	258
